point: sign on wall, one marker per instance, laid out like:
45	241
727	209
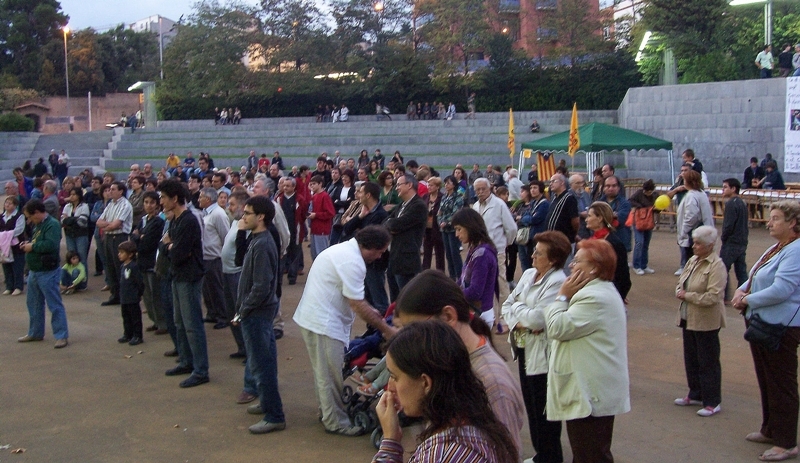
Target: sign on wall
791	160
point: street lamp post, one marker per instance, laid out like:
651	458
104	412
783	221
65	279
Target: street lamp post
66	75
767	16
378	6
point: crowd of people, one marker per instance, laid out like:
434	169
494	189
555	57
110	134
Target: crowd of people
191	234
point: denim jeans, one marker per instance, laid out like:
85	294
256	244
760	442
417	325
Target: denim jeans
190	332
43	287
79	244
452	254
375	289
262	364
15	273
641	248
525	251
67	278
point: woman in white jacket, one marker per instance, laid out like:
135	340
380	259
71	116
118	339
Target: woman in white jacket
588	384
524	313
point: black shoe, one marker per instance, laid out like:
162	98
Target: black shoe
221	325
210	320
135	341
179	370
292	282
278	334
123	340
193	381
110	302
238	355
97	274
171	353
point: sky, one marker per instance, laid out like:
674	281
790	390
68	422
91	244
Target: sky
102	15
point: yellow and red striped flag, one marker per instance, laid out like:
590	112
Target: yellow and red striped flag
574	137
546	165
511	144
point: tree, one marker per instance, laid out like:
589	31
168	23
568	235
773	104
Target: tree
577	31
25	27
294	32
457	30
689	27
127	57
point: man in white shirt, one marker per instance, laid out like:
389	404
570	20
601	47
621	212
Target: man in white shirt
215	228
116	222
502	229
764	62
333	296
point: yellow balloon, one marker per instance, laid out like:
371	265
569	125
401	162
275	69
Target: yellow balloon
662	202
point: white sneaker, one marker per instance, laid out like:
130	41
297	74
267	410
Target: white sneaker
708	411
638	271
684	401
6	292
649	270
16	292
678	272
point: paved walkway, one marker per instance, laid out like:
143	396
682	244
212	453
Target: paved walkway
91	403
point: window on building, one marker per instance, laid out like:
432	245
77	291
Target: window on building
546	4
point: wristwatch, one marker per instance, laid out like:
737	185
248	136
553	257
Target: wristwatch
562	298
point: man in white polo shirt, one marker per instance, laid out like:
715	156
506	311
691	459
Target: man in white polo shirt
333	295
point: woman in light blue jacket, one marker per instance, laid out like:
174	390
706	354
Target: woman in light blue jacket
524	313
773	292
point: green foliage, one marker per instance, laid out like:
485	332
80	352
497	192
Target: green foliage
10	98
689	27
577	30
13	122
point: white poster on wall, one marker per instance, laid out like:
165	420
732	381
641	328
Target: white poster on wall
791	159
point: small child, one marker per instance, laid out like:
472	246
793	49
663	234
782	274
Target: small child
131	288
73	274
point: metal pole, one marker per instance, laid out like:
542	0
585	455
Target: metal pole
160	48
768	23
66	75
90	111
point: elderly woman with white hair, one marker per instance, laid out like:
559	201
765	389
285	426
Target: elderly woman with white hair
701	289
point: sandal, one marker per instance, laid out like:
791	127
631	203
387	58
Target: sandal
758	438
359	378
778	455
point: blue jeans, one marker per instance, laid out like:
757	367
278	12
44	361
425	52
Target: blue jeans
319	243
641	248
67	278
80	244
261	370
190	332
15	272
43	287
524	251
452	254
375	289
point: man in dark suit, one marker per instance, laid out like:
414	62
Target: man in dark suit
406	223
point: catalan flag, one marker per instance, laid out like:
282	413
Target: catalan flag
546	165
574	137
511	144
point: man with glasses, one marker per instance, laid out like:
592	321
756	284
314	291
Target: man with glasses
578	188
620	206
406	224
563	212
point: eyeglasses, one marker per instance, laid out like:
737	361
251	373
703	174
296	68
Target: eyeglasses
400	184
248	213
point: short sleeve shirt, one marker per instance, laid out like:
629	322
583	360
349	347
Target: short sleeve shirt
336	275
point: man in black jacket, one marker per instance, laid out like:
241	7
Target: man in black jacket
147	237
734	232
184	245
372	213
406	224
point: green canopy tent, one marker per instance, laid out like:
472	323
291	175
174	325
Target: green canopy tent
597	138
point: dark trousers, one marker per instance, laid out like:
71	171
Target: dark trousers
132	320
230	284
110	248
169	308
294	257
703	370
375	289
432	242
511	262
590	439
545	435
212	290
734	256
396	282
776	372
15	273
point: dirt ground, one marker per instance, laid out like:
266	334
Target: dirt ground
91	403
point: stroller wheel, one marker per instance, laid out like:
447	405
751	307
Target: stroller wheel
376	438
347	394
363	419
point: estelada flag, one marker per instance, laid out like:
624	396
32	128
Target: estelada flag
574	137
511	145
546	165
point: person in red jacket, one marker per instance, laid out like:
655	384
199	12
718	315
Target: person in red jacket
321	215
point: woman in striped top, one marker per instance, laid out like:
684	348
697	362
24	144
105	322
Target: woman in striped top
431	377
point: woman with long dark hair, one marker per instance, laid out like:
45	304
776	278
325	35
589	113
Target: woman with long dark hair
432	240
432	295
479	275
452	202
600	220
431	378
75	221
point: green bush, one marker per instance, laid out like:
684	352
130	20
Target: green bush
14	122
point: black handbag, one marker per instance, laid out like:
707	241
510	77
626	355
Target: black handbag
768	335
